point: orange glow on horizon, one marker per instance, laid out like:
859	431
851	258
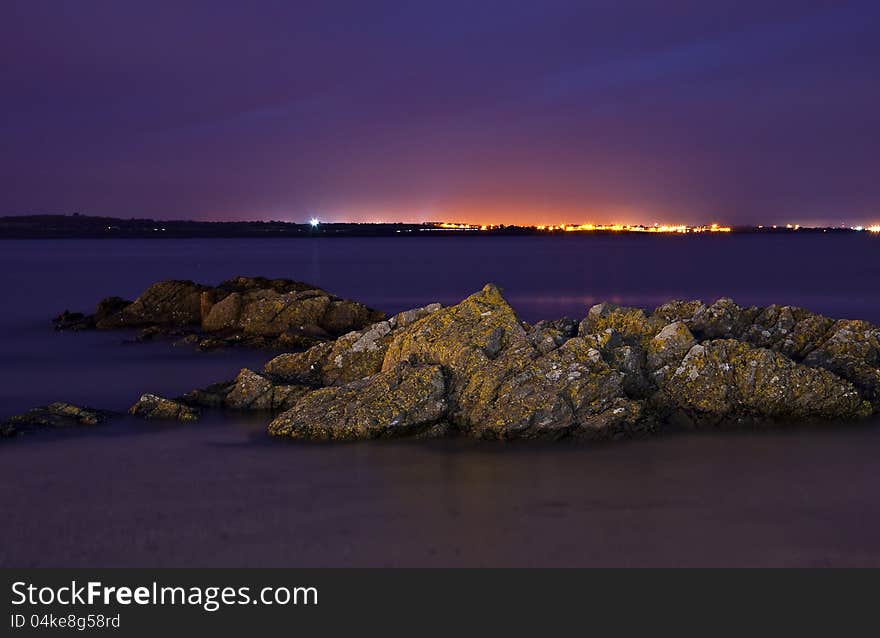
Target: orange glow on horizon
624	228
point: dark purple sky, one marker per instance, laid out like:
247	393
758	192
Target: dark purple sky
692	110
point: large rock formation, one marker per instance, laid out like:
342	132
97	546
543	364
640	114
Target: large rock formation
250	311
475	369
620	372
502	386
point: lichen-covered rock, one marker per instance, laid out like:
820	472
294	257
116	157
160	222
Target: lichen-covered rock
793	331
501	386
301	367
342	316
847	348
351	357
245	311
253	391
631	360
403	401
169	303
151	406
54	415
724	319
570	391
277	307
407	317
220	315
726	379
670	345
475	369
546	336
213	396
678	310
631	323
851	349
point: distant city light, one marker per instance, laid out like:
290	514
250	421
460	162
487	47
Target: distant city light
874	229
638	228
314	221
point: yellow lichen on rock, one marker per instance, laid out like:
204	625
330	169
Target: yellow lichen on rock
403	401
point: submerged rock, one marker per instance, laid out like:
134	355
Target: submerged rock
54	415
151	406
245	311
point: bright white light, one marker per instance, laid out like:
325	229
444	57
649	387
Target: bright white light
314	222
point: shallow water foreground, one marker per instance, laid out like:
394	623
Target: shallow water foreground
221	493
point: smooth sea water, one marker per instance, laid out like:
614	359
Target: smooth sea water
221	492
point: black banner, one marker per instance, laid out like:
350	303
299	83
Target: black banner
141	602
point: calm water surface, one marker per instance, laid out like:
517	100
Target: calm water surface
222	493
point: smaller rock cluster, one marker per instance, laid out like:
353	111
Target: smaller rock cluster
150	406
246	311
54	415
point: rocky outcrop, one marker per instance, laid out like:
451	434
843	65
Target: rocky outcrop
254	391
54	415
353	356
166	303
620	372
151	406
214	396
850	349
475	369
289	376
631	323
248	311
549	335
497	383
727	380
501	386
402	401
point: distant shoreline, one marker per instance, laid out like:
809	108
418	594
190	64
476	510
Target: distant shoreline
92	227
